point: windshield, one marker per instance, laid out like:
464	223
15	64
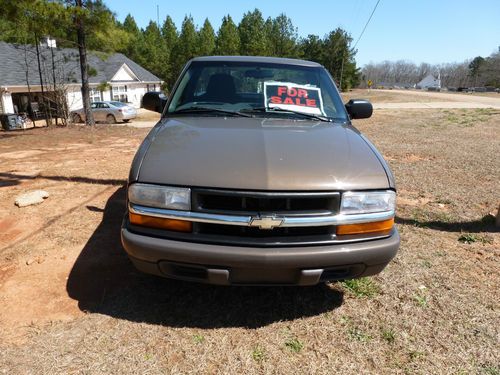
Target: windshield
259	89
118	104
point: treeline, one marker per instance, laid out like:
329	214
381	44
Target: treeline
478	72
164	49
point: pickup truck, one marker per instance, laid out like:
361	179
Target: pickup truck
254	175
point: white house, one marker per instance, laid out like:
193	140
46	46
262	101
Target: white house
430	81
112	77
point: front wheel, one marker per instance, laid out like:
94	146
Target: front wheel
126	120
110	119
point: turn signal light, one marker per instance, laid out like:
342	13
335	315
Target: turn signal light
375	227
160	223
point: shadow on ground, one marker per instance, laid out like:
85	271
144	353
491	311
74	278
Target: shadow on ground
104	281
485	224
16	178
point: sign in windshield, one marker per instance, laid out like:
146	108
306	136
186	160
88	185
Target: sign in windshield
293	97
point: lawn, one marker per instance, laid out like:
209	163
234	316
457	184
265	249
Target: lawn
71	302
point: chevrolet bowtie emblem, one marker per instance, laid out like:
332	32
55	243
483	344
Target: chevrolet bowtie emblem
266	222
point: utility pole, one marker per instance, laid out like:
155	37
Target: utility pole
158	15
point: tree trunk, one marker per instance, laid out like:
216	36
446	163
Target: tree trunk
82	49
46	108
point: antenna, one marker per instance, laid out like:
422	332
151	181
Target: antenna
158	15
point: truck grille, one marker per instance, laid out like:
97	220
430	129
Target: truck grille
253	203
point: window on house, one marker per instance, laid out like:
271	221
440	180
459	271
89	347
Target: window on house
95	95
120	93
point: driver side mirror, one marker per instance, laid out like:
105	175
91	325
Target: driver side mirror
359	108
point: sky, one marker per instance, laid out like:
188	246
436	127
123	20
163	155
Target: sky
433	31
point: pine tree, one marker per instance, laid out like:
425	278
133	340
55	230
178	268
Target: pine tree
338	58
228	38
312	48
170	39
283	37
131	50
206	39
185	48
253	37
154	51
169	33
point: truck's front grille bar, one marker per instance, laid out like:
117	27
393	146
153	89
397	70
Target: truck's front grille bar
262	220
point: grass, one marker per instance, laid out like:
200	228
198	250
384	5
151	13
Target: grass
294	345
199	339
363	287
389	335
85	309
421	296
357	334
258	354
491	370
470	238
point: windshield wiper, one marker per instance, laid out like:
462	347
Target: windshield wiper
197	109
278	109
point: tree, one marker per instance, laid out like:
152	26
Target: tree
283	37
131	49
228	38
95	27
475	66
169	33
185	48
170	38
253	37
79	22
206	39
154	50
312	48
338	58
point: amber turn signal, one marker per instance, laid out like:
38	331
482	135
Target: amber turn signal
374	227
160	223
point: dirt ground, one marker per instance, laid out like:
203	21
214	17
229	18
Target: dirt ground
421	98
71	302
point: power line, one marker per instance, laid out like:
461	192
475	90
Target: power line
367	22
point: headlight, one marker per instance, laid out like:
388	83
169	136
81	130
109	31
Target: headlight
160	196
363	202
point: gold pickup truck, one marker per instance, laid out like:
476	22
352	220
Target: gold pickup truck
255	175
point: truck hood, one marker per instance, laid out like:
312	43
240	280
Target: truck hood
260	154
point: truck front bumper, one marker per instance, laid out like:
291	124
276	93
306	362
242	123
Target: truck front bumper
234	265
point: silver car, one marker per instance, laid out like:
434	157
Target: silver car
109	112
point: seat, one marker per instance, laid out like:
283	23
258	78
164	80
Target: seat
221	88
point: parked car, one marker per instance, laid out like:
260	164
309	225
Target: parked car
109	112
256	175
155	100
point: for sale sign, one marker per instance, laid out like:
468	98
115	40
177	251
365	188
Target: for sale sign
293	97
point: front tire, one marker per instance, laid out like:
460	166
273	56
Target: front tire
126	120
110	119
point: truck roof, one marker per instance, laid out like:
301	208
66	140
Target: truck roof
258	59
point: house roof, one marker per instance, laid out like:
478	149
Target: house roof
14	58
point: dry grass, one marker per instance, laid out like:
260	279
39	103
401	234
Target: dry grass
435	309
388	96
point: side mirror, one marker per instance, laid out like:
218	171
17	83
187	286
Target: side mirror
154	101
359	108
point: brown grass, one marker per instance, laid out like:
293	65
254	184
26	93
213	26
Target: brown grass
388	96
80	307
